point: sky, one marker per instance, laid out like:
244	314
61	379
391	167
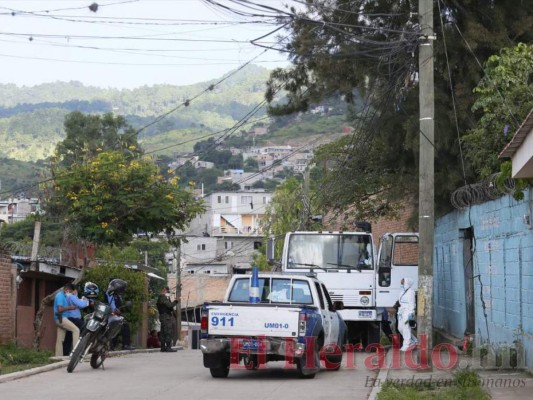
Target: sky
128	43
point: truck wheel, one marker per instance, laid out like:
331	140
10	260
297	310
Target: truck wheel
300	366
301	363
221	372
332	356
372	336
333	362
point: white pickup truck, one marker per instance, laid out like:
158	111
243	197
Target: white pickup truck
295	321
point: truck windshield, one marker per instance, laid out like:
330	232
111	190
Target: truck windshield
330	251
273	290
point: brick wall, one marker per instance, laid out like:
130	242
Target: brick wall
383	225
7	298
399	224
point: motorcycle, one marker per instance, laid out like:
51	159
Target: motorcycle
100	328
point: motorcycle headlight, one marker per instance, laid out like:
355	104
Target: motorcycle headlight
365	300
101	311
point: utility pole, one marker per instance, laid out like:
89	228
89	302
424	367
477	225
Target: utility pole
426	173
177	264
35	246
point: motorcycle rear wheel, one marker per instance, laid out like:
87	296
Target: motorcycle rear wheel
78	353
97	359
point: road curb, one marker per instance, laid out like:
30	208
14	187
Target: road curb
382	377
64	362
32	371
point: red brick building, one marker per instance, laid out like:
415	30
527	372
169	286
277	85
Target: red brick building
7	297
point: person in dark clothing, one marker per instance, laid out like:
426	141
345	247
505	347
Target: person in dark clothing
385	325
165	308
113	297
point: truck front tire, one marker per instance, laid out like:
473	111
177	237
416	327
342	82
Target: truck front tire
221	372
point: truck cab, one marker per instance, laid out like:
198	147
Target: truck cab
366	281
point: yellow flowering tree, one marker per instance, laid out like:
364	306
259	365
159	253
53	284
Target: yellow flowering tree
112	196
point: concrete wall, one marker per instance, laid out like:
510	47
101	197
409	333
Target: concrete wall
7	297
502	273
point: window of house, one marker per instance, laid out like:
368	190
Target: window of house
200	247
219	199
227	199
228	245
246	199
257	245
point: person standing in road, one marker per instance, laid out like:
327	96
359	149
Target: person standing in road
165	308
406	314
61	306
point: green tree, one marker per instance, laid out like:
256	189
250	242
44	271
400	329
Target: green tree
136	291
227	186
136	253
251	165
87	135
286	212
505	97
332	51
208	177
235	162
112	196
22	232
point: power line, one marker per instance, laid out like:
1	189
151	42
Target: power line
185	103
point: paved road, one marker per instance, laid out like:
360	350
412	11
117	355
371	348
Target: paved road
182	375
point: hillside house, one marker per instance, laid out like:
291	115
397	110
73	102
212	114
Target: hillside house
15	210
223	239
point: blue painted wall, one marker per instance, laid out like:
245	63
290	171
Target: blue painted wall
503	259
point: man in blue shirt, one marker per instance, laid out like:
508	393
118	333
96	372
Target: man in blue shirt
75	315
63	323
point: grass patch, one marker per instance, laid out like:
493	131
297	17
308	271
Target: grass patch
463	386
14	358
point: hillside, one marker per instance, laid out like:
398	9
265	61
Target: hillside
31	118
18	178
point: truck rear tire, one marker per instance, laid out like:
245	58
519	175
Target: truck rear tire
221	372
301	363
300	366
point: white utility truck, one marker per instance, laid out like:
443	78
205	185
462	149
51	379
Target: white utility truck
365	281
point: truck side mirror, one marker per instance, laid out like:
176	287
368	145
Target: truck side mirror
270	250
339	305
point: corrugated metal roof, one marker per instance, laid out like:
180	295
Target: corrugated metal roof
518	137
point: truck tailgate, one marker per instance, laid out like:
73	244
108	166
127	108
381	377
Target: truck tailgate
256	320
